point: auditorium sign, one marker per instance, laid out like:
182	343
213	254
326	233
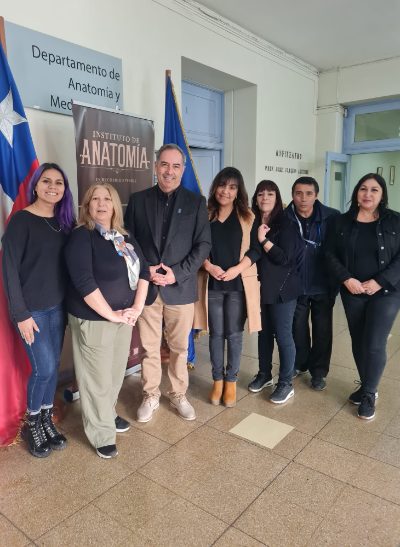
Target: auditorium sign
51	73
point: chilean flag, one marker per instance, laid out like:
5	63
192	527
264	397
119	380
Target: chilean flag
18	161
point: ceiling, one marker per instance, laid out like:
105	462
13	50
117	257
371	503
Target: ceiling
324	33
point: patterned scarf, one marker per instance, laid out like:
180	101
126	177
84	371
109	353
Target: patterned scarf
123	249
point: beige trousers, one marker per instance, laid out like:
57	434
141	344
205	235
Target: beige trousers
100	350
178	322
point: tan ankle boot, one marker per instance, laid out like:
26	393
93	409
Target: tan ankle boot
216	392
229	397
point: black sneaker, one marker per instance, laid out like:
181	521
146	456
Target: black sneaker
366	410
355	398
121	425
261	380
282	393
297	372
318	384
109	451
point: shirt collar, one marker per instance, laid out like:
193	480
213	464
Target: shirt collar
163	196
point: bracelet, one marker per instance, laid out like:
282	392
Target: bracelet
266	240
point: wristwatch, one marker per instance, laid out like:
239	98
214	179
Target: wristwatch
264	242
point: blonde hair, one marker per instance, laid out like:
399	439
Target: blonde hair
117	222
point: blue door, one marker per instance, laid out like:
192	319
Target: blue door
203	120
207	164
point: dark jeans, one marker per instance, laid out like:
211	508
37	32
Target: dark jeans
277	319
226	318
316	357
370	323
44	355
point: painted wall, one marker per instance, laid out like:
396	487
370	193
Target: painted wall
361	164
150	37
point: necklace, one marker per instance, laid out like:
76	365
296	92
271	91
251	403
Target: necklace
48	223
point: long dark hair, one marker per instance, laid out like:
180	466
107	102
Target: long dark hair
63	209
383	205
277	216
242	199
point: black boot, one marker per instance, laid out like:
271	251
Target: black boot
56	439
32	432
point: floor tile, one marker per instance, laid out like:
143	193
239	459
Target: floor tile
253	464
90	527
45	501
359	519
351	433
378	478
387	450
176	469
292	444
210	445
261	430
166	425
10	536
234	538
228	419
222	494
393	429
276	522
330	459
307	488
142	498
182	524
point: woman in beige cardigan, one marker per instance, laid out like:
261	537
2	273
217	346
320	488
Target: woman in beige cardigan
229	276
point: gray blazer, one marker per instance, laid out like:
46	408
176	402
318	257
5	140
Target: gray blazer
188	242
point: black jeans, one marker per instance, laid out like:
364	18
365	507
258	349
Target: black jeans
226	318
315	357
277	319
370	323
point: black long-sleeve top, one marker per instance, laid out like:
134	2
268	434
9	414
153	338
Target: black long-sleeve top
278	268
226	241
93	263
34	272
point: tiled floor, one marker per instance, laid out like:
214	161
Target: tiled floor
334	480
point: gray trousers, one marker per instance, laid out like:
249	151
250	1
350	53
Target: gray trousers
100	350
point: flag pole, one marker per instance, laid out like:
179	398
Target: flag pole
164	348
167	75
3	35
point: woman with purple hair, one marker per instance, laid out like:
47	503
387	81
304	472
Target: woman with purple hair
35	281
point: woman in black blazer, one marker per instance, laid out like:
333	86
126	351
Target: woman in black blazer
363	257
280	287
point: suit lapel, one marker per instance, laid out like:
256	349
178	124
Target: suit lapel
179	209
151	211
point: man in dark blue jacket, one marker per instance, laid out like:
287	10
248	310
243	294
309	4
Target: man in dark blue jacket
313	221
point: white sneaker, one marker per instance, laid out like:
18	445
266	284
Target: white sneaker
182	405
145	411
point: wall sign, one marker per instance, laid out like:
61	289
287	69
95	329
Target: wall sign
50	73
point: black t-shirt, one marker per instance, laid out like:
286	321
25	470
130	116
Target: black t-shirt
34	271
226	241
366	252
93	263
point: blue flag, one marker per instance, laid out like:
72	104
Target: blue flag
175	134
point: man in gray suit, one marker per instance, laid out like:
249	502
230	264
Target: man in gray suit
171	225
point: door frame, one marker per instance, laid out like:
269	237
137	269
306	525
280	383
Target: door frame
339	158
